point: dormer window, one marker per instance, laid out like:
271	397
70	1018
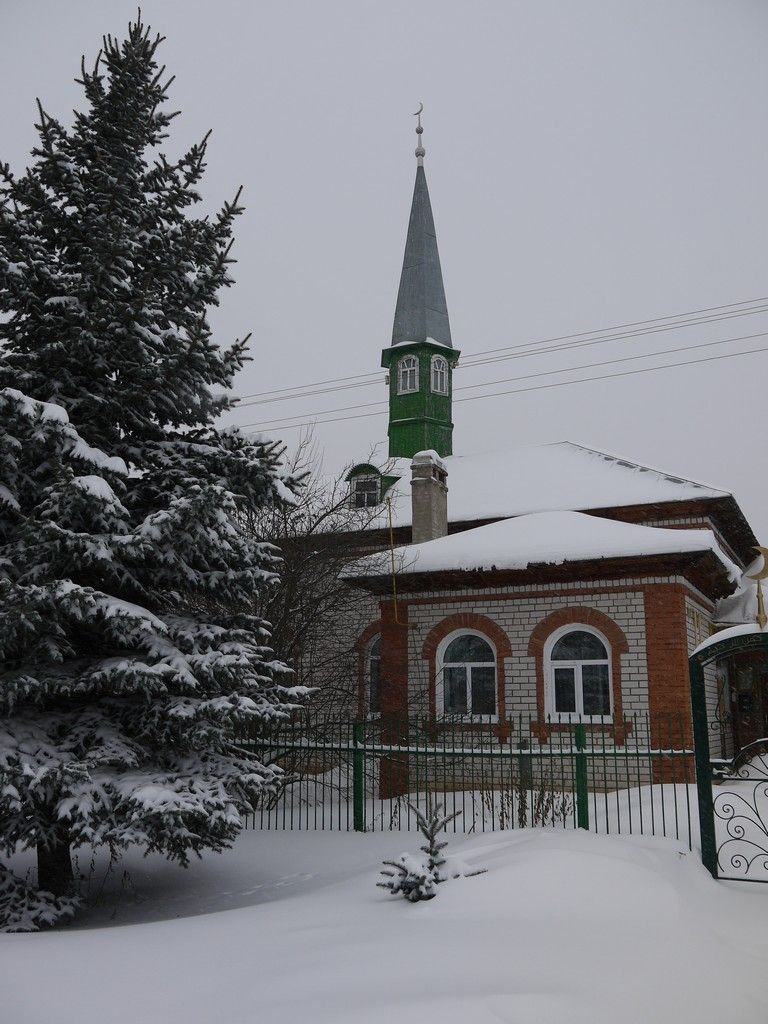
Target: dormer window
365	491
407	375
440	375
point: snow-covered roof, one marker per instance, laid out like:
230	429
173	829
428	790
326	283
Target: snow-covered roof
542	478
543	538
746	629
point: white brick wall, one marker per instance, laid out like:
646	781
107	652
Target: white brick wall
518	618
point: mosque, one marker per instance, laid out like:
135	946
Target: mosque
552	581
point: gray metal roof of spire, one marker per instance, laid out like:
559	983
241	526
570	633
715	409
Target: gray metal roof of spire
421	310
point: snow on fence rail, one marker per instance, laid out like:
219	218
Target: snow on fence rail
631	776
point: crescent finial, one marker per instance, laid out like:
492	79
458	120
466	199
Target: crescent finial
763	573
420	151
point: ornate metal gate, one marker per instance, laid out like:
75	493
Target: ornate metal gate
730	712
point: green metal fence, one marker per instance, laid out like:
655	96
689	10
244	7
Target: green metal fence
636	776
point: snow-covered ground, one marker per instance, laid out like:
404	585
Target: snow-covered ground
564	927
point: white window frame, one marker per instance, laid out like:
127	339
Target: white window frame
440	688
550	666
408	376
370	713
439	371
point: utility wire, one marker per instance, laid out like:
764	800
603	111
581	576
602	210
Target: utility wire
516	355
544	341
637	323
622	373
620	337
535	387
609	362
530	376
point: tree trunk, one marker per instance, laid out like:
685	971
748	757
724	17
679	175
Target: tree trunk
54	867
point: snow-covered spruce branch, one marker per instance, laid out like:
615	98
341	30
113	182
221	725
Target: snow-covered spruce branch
25	908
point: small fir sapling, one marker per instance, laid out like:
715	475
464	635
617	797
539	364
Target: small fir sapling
410	876
417	878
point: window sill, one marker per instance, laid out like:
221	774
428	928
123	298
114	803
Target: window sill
487	724
468	720
570	719
617	731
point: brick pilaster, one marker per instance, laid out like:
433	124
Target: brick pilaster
669	692
394	657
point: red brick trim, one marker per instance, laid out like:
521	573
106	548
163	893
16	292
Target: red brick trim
586	591
361	646
577	615
467	620
666	638
394	657
393	779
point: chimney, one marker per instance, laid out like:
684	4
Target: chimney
429	497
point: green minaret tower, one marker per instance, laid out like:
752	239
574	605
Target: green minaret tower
421	358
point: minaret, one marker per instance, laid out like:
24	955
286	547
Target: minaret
421	358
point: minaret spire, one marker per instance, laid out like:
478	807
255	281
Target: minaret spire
421	312
421	357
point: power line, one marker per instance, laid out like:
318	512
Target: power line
620	337
530	376
621	373
622	359
518	355
535	387
544	341
638	323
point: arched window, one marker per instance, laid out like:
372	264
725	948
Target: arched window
373	676
440	375
579	673
407	375
467	671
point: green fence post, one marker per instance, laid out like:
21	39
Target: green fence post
582	788
358	777
703	768
525	793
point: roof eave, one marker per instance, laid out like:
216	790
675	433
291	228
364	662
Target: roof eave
703	569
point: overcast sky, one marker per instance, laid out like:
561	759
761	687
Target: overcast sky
590	164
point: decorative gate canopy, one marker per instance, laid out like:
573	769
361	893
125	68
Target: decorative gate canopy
734	816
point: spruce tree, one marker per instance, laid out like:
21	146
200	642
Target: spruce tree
127	651
416	878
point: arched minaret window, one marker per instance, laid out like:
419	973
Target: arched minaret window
440	375
407	375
